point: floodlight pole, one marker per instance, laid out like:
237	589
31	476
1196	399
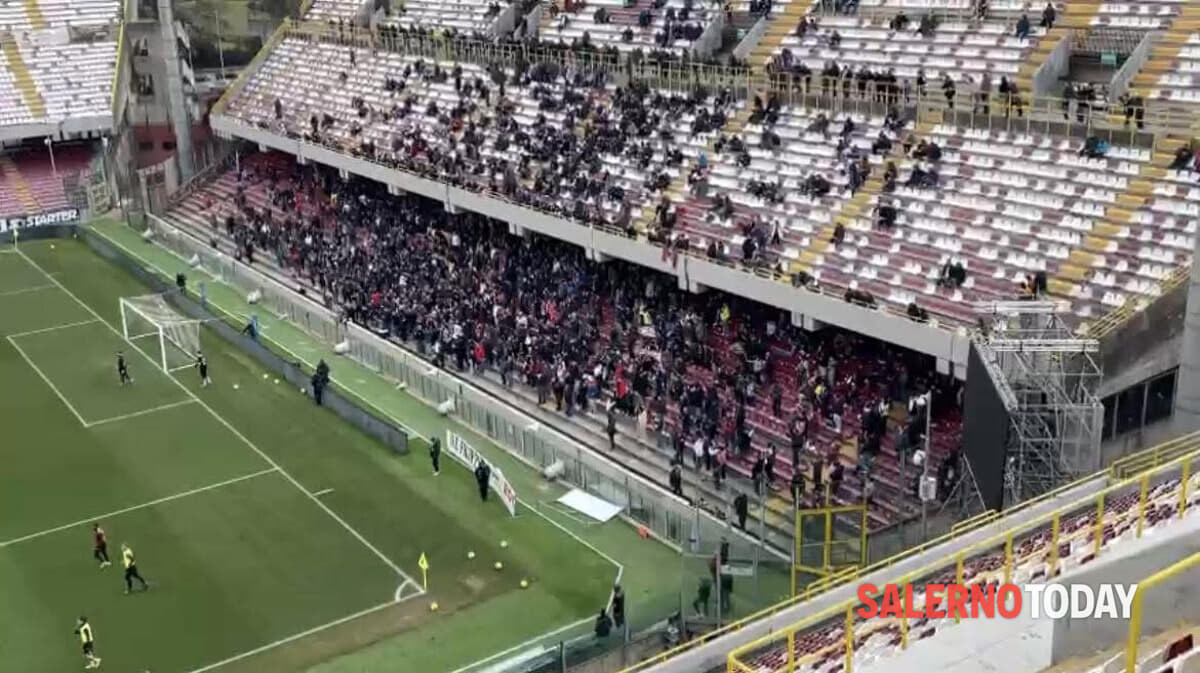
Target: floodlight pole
925	466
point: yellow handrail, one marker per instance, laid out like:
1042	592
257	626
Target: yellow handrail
1107	323
1151	457
1007	538
1135	615
986	516
247	72
885	563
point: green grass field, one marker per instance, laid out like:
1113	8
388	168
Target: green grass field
275	537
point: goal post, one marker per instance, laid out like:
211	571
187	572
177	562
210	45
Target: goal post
150	319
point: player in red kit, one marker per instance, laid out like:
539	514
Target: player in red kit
100	552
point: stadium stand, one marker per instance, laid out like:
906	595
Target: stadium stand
31	184
796	364
58	62
672	25
350	98
1171	73
1052	545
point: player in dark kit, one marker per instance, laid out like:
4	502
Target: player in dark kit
202	367
100	551
123	369
131	571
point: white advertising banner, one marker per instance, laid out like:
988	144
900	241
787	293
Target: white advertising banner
467	455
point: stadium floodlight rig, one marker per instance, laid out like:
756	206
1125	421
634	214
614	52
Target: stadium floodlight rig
151	317
1047	380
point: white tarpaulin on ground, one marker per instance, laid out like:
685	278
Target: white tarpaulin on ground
597	508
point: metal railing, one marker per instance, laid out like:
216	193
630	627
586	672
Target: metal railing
1137	609
668	517
1009	544
1034	114
1126	466
1119	316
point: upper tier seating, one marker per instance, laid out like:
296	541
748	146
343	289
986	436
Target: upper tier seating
461	15
332	10
569	26
788	204
1180	83
1007	206
15	15
822	649
508	124
962	50
74	79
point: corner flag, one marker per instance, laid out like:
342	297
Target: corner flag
423	564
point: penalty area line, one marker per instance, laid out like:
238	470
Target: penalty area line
144	505
135	414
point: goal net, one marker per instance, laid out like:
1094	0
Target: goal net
151	320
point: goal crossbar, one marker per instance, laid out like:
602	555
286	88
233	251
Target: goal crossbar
150	316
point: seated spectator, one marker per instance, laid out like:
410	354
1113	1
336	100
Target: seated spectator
882	144
952	275
819	125
898	22
1022	31
885	215
1183	159
917	313
927	26
1094	148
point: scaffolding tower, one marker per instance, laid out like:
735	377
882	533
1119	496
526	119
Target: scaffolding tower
1047	379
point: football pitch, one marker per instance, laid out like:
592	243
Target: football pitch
274	536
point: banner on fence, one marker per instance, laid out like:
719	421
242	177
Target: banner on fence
467	455
64	216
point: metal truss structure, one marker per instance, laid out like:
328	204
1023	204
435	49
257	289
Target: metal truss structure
1047	380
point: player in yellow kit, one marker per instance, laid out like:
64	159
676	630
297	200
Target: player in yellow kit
84	630
131	570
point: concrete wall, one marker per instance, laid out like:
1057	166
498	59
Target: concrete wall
1165	606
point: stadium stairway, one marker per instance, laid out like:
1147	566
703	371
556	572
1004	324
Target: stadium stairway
34	11
23	83
783	23
676	192
1166	52
857	206
12	176
1077	15
1115	224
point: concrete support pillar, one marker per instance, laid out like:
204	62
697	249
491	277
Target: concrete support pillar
181	121
1187	393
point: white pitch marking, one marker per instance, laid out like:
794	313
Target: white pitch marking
143	412
53	328
324	491
50	383
35	288
152	503
229	426
297	636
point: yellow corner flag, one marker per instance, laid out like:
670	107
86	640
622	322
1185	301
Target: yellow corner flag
423	564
